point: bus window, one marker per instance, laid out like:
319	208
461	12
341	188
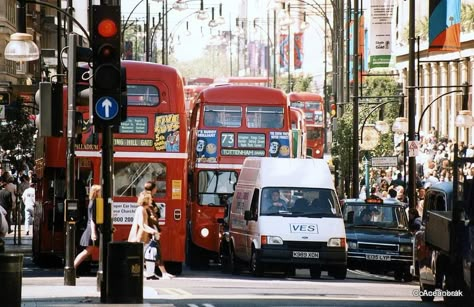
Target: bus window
313	105
130	178
142	95
313	134
297	104
214	184
265	117
222	116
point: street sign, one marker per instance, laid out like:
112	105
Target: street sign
413	148
106	108
384	161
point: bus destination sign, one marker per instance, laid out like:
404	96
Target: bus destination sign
251	140
243	152
134	125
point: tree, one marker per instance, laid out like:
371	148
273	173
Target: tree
342	136
17	135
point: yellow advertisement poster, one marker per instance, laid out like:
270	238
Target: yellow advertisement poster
176	189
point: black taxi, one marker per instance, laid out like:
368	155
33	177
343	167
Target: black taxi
378	237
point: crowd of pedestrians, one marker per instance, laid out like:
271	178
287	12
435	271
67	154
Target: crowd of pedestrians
434	163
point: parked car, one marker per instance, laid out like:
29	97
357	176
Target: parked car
378	237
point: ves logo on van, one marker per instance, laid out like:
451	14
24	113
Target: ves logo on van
305	228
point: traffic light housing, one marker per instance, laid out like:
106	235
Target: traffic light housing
333	109
107	88
49	97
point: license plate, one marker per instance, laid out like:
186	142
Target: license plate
378	257
297	254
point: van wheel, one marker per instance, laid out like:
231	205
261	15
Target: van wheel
256	267
407	277
290	271
339	272
426	298
315	272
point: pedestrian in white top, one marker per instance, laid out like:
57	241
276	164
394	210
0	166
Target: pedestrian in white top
29	201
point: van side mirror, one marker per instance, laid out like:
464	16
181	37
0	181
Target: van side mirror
248	215
220	221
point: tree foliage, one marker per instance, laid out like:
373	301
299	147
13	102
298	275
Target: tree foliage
16	134
381	89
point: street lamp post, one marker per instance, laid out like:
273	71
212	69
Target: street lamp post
411	184
355	113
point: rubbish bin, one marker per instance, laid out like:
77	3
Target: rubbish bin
125	273
11	273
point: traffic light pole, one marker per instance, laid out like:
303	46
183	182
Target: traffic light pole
69	271
107	183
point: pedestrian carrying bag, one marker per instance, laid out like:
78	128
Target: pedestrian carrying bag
151	251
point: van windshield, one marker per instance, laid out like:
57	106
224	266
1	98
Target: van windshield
299	202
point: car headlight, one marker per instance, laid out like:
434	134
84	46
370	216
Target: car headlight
352	245
405	248
337	242
271	240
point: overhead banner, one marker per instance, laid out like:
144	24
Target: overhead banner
445	25
298	50
380	50
284	48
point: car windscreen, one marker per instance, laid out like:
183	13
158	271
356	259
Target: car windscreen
362	214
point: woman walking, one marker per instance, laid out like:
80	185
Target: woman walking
90	234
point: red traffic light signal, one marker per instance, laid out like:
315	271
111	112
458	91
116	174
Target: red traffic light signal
107	93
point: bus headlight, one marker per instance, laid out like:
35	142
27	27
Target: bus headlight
271	240
204	232
318	151
337	242
405	248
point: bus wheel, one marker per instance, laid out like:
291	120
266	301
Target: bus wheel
256	267
194	258
226	259
175	268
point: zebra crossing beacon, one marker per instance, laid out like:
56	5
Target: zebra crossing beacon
149	145
229	123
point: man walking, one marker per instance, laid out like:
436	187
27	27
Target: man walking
29	201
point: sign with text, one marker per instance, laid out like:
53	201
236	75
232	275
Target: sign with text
250	140
384	161
134	125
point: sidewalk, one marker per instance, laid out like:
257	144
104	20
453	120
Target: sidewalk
51	291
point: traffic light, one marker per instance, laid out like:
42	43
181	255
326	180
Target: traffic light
333	109
49	97
107	88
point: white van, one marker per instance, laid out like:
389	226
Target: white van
285	214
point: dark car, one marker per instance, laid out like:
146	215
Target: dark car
378	237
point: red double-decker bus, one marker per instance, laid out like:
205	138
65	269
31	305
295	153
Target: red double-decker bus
149	145
228	123
313	107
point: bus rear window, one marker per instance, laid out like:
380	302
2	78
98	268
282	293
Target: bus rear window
222	116
142	95
264	117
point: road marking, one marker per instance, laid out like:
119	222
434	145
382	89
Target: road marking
174	291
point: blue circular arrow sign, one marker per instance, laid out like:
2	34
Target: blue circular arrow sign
106	108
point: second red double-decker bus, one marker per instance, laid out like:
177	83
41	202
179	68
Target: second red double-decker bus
149	145
313	107
228	123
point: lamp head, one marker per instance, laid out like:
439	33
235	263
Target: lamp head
21	48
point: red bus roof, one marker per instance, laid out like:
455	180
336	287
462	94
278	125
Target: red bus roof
246	93
304	96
